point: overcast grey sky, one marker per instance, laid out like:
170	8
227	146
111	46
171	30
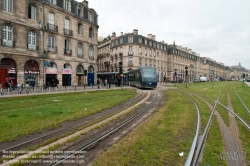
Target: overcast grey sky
219	29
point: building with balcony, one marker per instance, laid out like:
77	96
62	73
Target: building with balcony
180	57
133	50
42	40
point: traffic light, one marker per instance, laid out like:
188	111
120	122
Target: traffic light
85	72
186	70
175	74
120	68
243	75
213	72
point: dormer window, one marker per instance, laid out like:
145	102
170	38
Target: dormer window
130	39
66	4
90	16
79	11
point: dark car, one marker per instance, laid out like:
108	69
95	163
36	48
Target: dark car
196	80
248	80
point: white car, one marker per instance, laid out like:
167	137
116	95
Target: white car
203	79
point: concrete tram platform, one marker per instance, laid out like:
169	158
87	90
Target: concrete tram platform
60	89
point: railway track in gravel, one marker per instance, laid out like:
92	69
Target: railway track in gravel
87	148
68	127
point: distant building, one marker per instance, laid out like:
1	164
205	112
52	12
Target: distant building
133	50
237	72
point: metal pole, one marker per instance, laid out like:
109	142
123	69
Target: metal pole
43	44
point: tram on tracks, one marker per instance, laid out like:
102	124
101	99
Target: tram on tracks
143	77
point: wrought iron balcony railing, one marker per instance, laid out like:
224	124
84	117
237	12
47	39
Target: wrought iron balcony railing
32	47
52	28
68	32
8	43
52	49
67	51
80	56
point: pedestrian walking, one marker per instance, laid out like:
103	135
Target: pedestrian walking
98	83
57	82
7	82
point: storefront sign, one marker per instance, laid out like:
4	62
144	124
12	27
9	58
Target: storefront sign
31	72
12	71
50	70
67	71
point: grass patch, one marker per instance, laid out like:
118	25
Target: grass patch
30	114
214	146
160	139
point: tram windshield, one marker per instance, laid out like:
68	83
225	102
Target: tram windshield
148	73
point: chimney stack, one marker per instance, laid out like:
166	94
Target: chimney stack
85	3
150	36
153	37
113	35
135	32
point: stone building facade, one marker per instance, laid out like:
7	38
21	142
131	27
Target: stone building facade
180	57
42	40
133	50
237	72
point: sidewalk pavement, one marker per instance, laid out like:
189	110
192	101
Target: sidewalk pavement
60	89
248	83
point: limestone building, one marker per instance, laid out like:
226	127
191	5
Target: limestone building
42	40
237	72
133	50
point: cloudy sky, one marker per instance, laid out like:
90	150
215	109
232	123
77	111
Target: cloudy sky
219	29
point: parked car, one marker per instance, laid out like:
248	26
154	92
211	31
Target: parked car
203	79
215	79
248	80
196	80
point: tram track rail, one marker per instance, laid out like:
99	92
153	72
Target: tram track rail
197	145
230	134
242	102
81	123
100	138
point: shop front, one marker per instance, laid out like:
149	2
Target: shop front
8	69
80	75
31	73
66	77
51	76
